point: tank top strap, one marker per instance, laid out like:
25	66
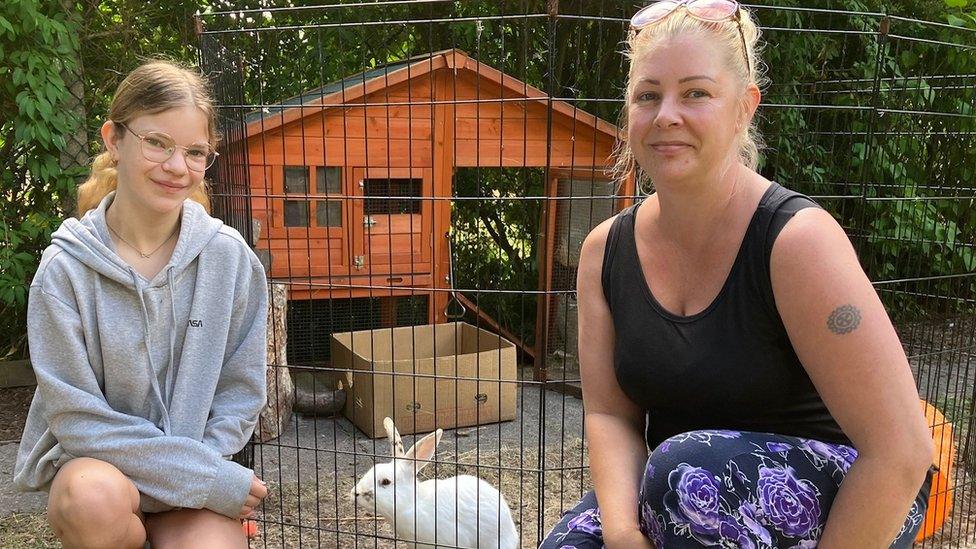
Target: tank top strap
774	212
614	255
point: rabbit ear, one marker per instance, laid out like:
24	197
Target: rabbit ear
394	436
421	453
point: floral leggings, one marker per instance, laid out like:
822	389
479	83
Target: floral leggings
732	489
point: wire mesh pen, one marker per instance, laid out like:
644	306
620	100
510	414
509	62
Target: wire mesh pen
405	169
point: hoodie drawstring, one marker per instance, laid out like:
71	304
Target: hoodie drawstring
170	373
153	381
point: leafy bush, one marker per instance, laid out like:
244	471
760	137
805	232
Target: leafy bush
37	43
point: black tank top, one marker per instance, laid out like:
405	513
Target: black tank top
730	366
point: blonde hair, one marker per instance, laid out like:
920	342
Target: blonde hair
151	88
726	34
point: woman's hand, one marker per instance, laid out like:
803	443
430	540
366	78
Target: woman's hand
626	539
258	492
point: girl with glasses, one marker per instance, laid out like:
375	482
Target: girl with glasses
742	382
147	330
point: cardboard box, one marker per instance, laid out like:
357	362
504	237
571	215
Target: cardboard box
426	377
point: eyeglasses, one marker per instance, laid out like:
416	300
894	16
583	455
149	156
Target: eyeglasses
712	11
159	147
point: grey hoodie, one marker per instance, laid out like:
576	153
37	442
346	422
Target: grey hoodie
162	378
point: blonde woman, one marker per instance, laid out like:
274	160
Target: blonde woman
146	324
729	328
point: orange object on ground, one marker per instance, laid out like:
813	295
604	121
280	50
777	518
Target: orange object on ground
940	498
250	528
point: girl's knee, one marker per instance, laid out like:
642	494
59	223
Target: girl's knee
92	487
93	500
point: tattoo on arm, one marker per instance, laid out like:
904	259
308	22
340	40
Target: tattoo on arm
844	319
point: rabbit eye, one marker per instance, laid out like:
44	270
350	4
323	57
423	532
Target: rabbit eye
385	482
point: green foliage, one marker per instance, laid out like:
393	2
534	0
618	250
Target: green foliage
37	43
961	13
495	242
887	121
115	36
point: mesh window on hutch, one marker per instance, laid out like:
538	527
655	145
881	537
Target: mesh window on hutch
392	196
296	182
328	181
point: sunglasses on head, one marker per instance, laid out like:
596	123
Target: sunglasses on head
713	11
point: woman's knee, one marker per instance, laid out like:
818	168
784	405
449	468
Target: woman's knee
89	498
705	452
579	527
673	451
703	447
194	528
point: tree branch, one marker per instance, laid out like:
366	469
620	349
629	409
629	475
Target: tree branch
494	226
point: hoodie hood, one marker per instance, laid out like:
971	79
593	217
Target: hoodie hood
85	240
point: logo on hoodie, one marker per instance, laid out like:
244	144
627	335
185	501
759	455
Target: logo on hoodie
196	323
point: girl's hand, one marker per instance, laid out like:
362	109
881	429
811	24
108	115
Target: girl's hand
258	492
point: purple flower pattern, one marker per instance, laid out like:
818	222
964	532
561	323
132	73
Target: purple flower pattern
694	500
733	534
789	503
778	507
778	447
704	436
588	521
750	519
821	453
651	525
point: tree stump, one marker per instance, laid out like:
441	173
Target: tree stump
281	390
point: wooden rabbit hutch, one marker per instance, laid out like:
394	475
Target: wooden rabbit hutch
352	182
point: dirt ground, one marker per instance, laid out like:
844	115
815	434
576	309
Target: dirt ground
14	403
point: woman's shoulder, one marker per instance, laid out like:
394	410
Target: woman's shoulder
807	226
599	246
595	243
810	241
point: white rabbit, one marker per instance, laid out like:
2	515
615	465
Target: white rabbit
463	511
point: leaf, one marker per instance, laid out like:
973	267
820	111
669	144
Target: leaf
4	24
29	108
955	20
44	107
